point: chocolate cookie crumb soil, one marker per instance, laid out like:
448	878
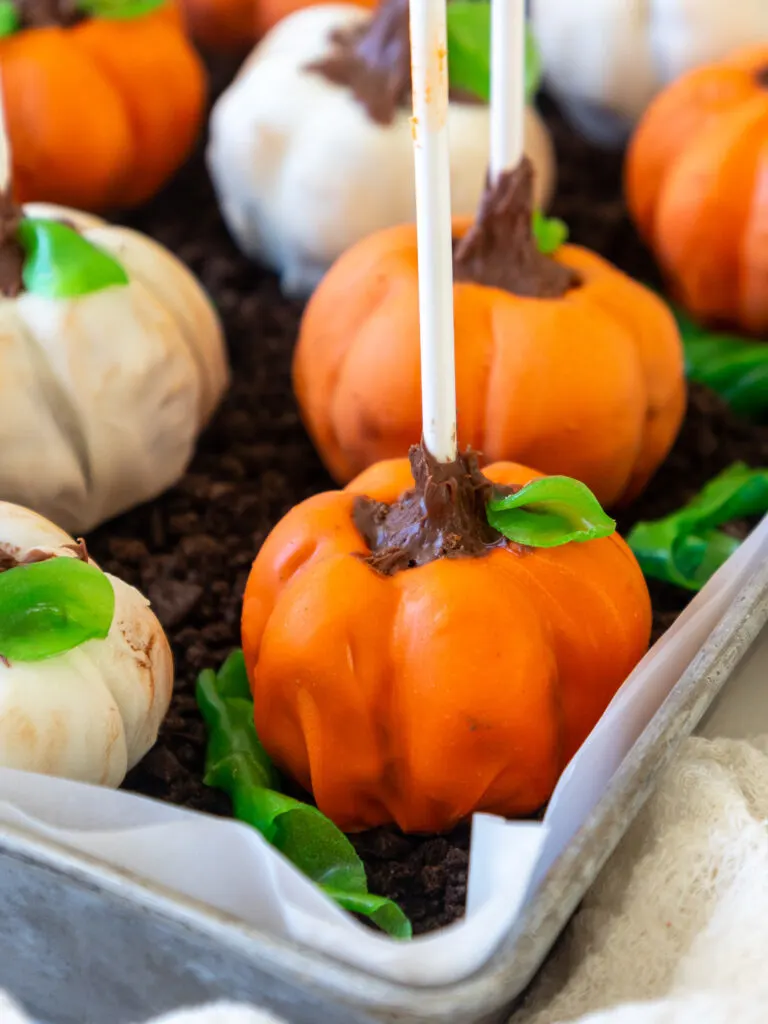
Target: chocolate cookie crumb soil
256	462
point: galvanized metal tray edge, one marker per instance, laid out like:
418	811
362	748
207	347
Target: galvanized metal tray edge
488	994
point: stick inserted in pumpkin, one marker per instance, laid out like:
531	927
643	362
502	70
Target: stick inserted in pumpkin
413	642
429	70
561	361
507	85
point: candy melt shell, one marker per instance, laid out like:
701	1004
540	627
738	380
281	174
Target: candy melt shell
90	714
102	397
302	172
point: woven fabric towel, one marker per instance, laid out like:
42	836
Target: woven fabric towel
679	916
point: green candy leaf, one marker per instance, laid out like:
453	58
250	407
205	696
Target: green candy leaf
687	547
9	18
549	512
237	763
61	264
549	232
118	10
384	913
735	367
469	50
51	607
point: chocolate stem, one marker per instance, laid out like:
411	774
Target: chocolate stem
762	77
373	61
11	253
47	13
443	516
500	250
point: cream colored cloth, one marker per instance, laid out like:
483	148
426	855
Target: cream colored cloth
219	1013
675	930
679	916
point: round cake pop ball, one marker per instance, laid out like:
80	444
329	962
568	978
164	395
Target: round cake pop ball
562	361
696	188
104	98
605	60
436	641
86	672
305	166
410	664
113	360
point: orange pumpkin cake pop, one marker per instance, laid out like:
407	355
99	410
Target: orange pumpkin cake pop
436	640
103	101
696	186
562	361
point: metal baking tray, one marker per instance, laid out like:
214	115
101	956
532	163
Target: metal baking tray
83	942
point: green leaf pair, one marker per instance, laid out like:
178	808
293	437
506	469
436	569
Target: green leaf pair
237	763
469	50
687	547
110	10
550	512
61	264
51	607
736	368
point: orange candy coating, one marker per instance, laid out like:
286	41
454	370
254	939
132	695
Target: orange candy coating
101	114
697	187
590	385
462	685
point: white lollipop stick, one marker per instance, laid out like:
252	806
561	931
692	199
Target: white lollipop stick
507	85
5	144
429	72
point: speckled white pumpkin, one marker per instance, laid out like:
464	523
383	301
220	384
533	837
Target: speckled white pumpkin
302	172
102	396
605	60
92	713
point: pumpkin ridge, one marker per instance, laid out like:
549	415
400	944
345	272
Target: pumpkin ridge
97	39
496	343
61	408
630	328
359	341
102	69
80	99
723	162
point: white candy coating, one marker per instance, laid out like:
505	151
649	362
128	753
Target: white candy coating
607	59
302	172
102	397
92	713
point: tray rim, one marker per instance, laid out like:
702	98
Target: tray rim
501	980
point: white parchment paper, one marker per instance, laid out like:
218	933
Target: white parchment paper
230	867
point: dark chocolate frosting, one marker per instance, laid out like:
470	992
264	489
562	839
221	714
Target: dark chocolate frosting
443	516
500	250
11	252
373	61
45	13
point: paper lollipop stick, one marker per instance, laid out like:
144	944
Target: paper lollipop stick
429	70
507	85
5	145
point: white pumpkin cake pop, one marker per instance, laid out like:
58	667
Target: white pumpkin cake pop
310	147
605	60
112	360
86	672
